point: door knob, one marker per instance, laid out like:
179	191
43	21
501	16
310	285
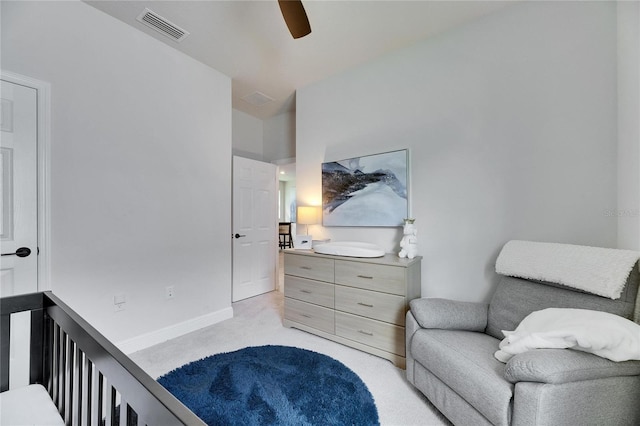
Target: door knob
21	252
239	236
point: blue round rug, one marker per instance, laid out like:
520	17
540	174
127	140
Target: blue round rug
272	385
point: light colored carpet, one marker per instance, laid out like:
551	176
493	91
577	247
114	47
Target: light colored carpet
258	321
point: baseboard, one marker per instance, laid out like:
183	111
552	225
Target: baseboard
147	340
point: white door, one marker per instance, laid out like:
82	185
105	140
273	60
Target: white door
19	190
18	211
255	236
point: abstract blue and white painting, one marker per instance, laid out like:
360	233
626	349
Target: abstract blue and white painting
366	191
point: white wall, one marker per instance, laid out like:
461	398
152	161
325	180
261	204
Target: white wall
289	190
140	167
247	136
267	140
628	209
280	137
511	125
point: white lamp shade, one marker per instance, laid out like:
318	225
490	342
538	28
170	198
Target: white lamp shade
308	215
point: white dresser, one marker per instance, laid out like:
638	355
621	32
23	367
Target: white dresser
359	302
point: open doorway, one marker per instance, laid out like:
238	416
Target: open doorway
286	209
287	194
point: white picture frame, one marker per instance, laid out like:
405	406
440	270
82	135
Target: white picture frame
303	242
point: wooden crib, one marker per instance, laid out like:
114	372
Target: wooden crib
89	380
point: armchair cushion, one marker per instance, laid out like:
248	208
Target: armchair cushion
564	366
450	314
464	361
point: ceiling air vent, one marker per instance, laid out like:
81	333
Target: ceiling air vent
257	98
160	24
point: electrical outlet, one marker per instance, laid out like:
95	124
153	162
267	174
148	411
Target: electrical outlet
169	292
119	302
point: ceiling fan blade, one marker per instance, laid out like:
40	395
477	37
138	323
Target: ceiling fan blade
295	17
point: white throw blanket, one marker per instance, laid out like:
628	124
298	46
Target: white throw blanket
596	270
600	333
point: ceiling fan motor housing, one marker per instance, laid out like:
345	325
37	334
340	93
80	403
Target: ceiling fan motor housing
295	17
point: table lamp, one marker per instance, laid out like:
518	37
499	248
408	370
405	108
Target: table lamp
306	215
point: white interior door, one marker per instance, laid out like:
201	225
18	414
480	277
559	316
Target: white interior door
19	212
255	237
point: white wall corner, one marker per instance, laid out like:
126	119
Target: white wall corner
627	210
147	340
247	135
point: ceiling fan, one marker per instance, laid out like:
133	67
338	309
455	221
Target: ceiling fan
295	17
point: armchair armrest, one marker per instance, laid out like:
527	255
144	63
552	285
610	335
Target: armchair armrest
450	314
564	366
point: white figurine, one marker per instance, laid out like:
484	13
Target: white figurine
409	242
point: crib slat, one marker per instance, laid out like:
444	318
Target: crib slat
86	391
76	386
69	381
131	416
109	397
47	361
62	359
68	369
97	398
110	417
124	412
72	394
5	333
55	364
62	374
36	357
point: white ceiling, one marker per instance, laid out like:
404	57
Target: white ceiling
249	41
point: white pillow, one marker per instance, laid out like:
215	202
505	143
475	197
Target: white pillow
600	333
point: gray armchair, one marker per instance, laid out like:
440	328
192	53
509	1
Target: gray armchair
450	358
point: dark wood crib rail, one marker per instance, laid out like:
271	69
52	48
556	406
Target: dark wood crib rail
88	378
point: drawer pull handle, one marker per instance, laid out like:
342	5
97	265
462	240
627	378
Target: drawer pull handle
308	268
306	316
305	291
368	333
365	304
365	277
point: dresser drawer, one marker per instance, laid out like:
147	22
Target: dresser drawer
381	306
388	337
316	292
312	315
309	267
387	279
